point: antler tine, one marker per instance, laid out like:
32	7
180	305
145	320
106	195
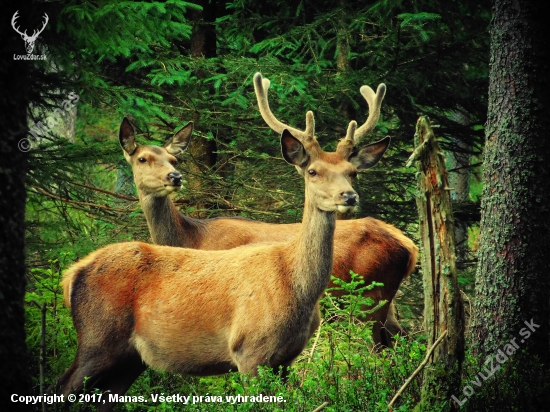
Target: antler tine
13	22
261	86
37	32
345	146
309	133
46	20
374	101
350	135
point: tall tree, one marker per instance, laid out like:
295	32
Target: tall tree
14	376
443	307
511	299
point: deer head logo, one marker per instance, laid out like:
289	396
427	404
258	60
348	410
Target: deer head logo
29	40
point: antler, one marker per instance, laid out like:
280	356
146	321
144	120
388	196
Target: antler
261	86
374	101
354	134
13	19
37	32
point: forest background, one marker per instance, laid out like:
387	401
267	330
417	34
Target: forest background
167	63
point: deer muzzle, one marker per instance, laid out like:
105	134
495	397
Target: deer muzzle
175	178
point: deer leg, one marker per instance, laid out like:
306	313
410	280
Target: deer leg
98	373
391	328
284	371
392	324
119	379
379	334
111	369
73	378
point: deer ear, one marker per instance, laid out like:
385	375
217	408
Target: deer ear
179	142
127	137
367	156
293	150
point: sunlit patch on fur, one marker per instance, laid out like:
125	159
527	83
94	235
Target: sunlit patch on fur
171	188
345	209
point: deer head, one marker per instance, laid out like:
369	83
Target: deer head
346	153
29	40
154	167
329	175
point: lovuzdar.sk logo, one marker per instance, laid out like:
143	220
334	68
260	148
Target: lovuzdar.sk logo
29	40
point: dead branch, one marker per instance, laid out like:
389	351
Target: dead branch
418	370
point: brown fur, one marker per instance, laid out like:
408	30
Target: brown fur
371	248
206	312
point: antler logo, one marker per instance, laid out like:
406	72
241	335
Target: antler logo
29	40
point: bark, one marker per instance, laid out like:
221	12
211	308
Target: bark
512	281
342	40
202	151
203	45
14	377
443	308
459	181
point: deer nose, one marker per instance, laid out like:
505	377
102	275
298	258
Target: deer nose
350	198
175	178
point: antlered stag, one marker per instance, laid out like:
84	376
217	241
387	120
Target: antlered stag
208	312
375	250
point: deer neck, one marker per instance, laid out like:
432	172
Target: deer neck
313	249
167	225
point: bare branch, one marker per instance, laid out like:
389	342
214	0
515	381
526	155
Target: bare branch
418	370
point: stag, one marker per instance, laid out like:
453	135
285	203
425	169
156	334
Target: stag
29	40
210	312
377	251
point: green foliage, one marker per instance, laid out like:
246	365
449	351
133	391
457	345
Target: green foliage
508	389
140	59
45	298
134	58
417	21
340	365
353	299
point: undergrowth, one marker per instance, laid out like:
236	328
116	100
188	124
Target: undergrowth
340	369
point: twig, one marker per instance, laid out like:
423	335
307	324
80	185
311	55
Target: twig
76	202
312	350
97	189
417	153
320	407
315	342
417	371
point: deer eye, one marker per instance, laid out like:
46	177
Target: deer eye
312	172
142	160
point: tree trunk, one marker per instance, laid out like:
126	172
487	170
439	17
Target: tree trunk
203	45
513	282
342	39
443	309
203	151
14	377
459	184
458	163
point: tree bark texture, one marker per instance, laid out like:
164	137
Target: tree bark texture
14	376
458	163
513	282
342	40
202	150
443	308
203	45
